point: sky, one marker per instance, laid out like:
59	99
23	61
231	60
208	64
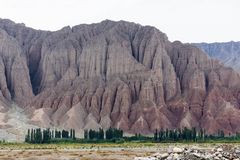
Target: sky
184	20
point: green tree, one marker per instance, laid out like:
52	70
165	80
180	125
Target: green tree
155	135
32	136
52	135
167	134
194	134
86	134
100	134
65	134
73	134
222	134
109	133
91	134
28	137
161	135
46	136
57	134
38	136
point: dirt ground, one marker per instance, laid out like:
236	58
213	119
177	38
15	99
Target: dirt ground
87	152
72	154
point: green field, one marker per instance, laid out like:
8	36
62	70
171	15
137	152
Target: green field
132	144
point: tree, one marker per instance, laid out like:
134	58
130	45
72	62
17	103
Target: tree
194	134
32	138
86	134
100	134
73	134
38	136
171	134
65	134
91	134
46	136
156	135
28	137
57	134
121	133
117	133
109	133
201	134
222	134
175	135
52	135
161	135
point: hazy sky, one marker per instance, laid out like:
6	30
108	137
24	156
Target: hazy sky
185	20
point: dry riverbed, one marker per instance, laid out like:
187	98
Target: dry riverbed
99	151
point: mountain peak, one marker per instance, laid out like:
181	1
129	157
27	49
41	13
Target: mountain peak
116	74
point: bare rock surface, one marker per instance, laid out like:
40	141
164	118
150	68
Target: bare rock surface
117	74
14	124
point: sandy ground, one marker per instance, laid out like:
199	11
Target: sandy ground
90	153
71	154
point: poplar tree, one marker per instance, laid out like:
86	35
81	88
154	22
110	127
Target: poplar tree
86	134
73	134
28	137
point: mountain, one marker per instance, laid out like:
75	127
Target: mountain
117	74
227	52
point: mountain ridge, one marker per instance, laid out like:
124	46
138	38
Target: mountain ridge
115	74
226	52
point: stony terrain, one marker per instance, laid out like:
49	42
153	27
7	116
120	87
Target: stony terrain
117	74
224	152
226	52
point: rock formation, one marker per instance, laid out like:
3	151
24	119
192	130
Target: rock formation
117	74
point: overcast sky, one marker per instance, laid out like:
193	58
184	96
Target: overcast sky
184	20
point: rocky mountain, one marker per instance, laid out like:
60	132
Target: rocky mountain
117	74
227	52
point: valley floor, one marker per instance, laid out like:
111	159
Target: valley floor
126	151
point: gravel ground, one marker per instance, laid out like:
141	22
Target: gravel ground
119	153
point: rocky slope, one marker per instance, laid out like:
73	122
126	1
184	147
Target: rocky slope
227	52
117	74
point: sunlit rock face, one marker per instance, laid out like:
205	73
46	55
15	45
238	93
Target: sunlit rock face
117	74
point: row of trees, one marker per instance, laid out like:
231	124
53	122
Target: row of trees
184	134
44	136
92	134
111	133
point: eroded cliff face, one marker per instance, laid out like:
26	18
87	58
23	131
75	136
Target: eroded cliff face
14	74
117	74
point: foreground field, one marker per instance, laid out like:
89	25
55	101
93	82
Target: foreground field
125	151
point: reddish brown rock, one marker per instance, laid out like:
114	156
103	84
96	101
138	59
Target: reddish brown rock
116	74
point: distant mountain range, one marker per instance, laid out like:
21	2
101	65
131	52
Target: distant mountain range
226	52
